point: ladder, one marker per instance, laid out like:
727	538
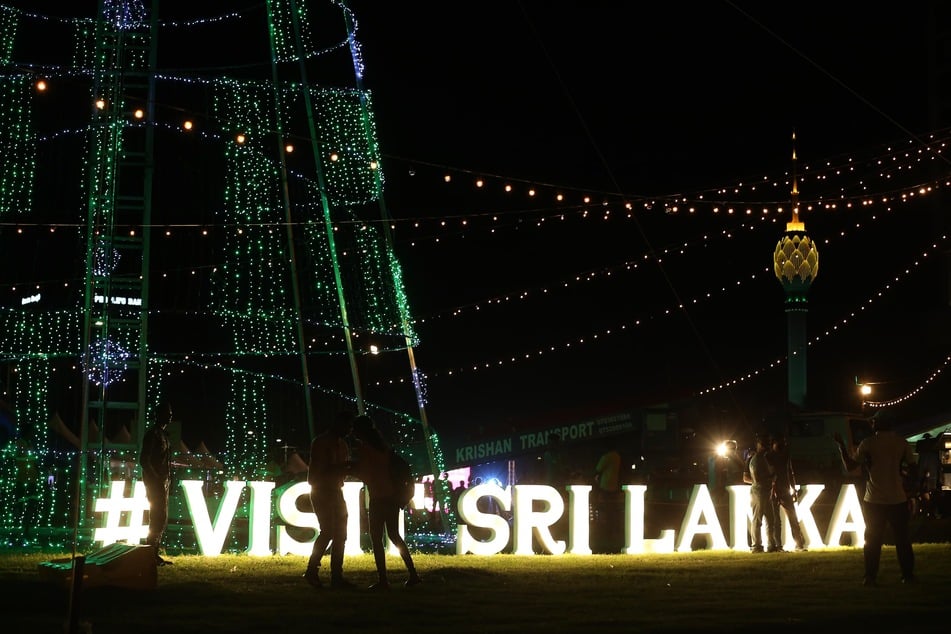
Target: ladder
118	234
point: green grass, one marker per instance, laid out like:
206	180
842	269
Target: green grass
705	591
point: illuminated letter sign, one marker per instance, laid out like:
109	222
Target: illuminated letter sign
483	510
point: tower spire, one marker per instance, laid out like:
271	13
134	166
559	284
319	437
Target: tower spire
795	224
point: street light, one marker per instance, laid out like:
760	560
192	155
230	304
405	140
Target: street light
865	390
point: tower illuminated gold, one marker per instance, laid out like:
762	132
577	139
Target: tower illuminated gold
796	264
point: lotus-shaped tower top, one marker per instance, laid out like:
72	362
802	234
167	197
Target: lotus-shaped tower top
796	257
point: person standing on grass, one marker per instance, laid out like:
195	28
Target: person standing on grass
759	476
610	501
383	513
930	471
555	472
784	493
329	465
884	456
155	459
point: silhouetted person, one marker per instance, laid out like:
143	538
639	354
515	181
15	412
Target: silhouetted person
454	495
383	513
723	470
555	473
609	500
883	456
784	493
556	476
155	459
760	478
927	498
929	461
329	465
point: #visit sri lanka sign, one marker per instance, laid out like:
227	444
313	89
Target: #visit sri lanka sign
533	510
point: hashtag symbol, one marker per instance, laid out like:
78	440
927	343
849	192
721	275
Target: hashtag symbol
123	517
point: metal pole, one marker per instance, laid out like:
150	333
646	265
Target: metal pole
292	254
75	594
439	486
325	204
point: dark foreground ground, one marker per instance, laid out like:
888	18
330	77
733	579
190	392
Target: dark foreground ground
701	591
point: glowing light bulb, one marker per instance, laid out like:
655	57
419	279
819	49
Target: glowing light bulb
139	113
240	139
101	104
41	85
187	125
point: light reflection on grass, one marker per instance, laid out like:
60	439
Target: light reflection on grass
699	591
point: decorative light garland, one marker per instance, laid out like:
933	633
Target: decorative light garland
914	392
840	325
248	288
256	304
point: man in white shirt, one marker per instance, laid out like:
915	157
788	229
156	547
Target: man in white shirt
884	456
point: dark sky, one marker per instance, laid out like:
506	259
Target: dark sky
532	309
637	101
645	98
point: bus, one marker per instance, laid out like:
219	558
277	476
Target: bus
815	454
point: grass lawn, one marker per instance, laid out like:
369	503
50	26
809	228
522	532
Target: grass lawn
702	591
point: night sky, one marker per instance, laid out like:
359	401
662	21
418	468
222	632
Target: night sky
639	102
640	286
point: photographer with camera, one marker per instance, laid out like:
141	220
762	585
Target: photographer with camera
883	456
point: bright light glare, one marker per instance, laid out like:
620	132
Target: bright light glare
725	447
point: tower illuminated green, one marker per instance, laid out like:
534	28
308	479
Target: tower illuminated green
297	263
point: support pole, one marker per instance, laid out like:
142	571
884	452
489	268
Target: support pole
75	594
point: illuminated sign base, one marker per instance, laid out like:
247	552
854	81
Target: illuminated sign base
532	511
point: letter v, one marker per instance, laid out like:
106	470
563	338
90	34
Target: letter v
211	537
